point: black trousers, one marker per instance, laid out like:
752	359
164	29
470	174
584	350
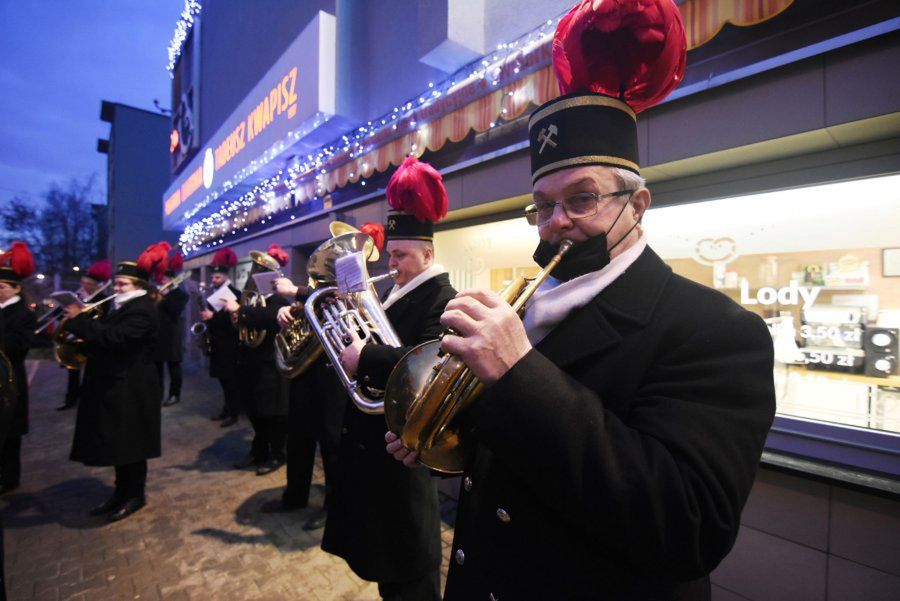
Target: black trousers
73	388
10	461
232	392
315	416
426	588
131	479
174	376
269	437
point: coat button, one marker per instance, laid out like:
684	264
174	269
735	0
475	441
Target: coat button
503	515
344	430
467	483
460	556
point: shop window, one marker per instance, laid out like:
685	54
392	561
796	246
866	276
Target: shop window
818	264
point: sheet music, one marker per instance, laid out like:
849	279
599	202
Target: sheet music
65	298
218	298
265	281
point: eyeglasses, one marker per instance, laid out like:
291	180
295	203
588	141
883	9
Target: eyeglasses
577	206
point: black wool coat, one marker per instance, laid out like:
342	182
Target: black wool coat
264	391
18	337
384	518
170	341
118	419
612	461
223	342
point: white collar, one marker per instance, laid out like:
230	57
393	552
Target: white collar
554	300
12	300
397	293
124	297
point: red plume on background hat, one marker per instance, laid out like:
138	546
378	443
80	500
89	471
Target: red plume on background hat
223	260
153	260
613	59
416	193
16	264
100	271
376	231
279	254
175	264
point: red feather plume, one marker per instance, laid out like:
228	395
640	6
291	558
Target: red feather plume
176	263
19	259
101	270
376	231
225	256
153	260
279	254
634	50
418	188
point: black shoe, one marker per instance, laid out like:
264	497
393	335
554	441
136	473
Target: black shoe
220	417
5	488
279	506
228	422
269	466
171	401
316	520
108	506
245	462
127	507
66	405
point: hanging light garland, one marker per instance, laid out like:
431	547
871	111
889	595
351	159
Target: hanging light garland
183	27
279	192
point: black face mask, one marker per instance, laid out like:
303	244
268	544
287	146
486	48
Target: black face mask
583	257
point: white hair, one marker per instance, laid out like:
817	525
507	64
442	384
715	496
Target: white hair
628	180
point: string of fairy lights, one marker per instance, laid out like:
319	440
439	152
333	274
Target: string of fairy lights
183	27
276	194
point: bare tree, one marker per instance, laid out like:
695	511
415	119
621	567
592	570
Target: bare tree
62	231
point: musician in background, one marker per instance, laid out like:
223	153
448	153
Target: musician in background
622	422
223	339
93	280
385	521
118	420
170	342
19	325
264	391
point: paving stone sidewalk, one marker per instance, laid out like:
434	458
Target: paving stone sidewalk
201	535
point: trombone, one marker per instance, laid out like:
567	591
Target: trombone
55	311
174	282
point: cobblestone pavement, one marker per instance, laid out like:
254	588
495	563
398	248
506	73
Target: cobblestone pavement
201	535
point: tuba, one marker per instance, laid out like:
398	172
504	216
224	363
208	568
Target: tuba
251	297
428	389
348	304
296	346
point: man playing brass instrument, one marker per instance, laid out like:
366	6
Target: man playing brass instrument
619	431
384	519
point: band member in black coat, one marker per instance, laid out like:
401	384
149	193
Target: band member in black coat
264	391
223	339
118	421
384	521
170	342
94	280
15	265
315	414
631	406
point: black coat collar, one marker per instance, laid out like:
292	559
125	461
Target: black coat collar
629	300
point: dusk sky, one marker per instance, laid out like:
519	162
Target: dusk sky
60	58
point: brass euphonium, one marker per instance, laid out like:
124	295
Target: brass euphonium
251	296
428	388
351	304
296	346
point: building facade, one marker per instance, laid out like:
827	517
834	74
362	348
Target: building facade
775	172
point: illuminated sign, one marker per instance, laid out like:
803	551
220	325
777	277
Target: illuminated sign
297	90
